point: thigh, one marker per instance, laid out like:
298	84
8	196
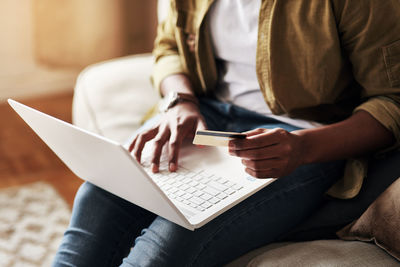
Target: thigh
102	229
260	219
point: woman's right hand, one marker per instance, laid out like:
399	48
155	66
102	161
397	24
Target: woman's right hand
179	122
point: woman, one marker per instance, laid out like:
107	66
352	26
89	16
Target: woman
315	86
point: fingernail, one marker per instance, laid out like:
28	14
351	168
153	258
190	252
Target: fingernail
231	144
172	167
154	168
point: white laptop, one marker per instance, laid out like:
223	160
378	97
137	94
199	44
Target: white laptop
208	182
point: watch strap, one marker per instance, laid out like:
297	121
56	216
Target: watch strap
173	98
182	97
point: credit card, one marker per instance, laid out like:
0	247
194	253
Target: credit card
215	138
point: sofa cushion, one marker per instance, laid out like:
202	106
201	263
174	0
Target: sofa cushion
317	253
379	223
112	97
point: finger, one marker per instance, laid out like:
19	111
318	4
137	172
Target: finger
132	145
159	141
268	152
199	126
271	173
263	139
149	125
141	140
255	131
175	143
233	143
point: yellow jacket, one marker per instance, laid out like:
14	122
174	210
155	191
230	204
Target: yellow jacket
318	60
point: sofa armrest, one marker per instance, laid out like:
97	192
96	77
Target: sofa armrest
112	97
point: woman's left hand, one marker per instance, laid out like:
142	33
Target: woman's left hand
268	153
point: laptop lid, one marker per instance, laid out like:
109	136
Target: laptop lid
102	162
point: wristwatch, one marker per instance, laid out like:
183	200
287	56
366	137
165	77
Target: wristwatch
173	98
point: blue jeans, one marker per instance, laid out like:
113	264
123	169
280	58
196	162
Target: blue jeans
106	230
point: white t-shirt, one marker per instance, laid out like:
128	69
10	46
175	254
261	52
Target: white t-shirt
234	29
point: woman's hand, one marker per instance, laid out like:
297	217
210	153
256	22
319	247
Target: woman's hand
179	122
268	153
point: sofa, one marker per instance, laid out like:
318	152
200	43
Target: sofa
111	98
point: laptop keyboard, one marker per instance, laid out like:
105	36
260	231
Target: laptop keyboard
198	190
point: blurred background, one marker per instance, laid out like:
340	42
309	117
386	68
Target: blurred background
44	45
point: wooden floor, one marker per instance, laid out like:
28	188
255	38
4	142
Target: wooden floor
24	158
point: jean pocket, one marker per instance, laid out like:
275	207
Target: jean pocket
391	55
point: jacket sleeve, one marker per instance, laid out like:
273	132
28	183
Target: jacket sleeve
370	36
166	50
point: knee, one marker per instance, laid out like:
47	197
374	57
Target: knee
88	193
163	243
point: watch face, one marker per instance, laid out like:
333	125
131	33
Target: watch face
168	101
172	97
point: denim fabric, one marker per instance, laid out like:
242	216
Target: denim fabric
336	213
103	227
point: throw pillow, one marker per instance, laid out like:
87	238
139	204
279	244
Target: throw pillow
379	223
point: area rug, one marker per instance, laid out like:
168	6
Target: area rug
33	219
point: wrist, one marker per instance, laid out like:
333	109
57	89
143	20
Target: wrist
187	105
306	146
174	98
176	83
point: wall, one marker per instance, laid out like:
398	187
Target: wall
15	24
20	76
76	33
45	43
